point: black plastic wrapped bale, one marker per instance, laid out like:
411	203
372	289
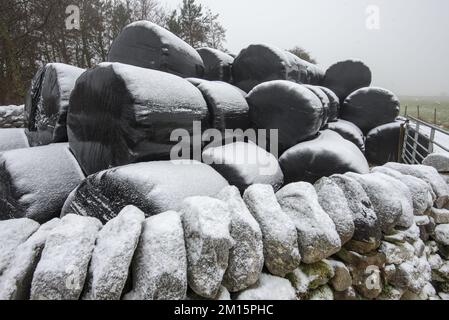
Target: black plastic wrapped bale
35	182
371	107
217	64
244	164
227	106
147	45
260	63
382	143
322	157
287	106
345	77
122	114
349	131
324	102
47	103
11	139
154	187
334	104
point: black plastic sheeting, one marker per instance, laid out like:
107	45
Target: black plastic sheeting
217	64
154	187
13	138
147	45
122	114
324	156
324	101
244	164
382	143
35	182
334	104
287	106
345	77
371	107
47	103
349	131
260	63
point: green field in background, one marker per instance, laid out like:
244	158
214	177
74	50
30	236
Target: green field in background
427	106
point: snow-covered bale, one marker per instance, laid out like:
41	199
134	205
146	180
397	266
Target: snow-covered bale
122	114
62	269
159	268
317	235
35	182
48	103
269	288
370	107
12	116
217	64
244	164
147	45
325	102
334	104
11	139
153	187
440	161
246	258
289	107
349	131
280	240
334	203
259	63
429	175
228	108
345	77
15	282
111	258
382	143
206	223
324	156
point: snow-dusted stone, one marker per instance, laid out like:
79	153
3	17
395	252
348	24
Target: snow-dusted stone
260	63
409	235
291	108
13	233
342	279
441	235
391	293
412	275
441	216
246	258
317	235
367	226
12	116
152	105
13	138
349	131
47	103
370	107
344	77
206	223
244	164
217	64
159	267
62	269
442	273
322	293
440	161
333	201
280	241
35	182
348	294
111	258
323	156
421	191
15	282
147	45
429	175
382	143
222	295
397	253
318	273
435	261
324	101
269	288
153	187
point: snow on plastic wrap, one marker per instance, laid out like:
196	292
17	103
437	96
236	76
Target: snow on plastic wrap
122	114
322	157
47	103
260	63
35	182
349	131
382	143
153	187
217	64
147	45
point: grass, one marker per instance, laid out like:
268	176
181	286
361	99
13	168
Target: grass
427	107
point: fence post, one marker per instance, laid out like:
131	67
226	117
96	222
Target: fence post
415	143
432	138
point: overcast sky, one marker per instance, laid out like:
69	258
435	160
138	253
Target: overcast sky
409	54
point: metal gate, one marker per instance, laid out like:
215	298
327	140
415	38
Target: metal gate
419	139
